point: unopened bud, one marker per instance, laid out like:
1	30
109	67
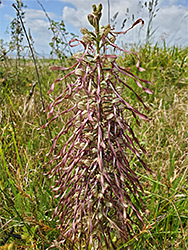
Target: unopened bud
107	29
78	55
99	15
95	21
86	38
94	7
112	39
91	19
99	8
84	31
79	72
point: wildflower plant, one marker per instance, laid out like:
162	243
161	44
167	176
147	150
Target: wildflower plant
98	193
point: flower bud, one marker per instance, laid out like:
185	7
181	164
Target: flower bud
79	72
81	105
84	31
78	55
89	135
86	38
107	29
95	10
91	19
95	21
112	39
99	15
99	8
94	7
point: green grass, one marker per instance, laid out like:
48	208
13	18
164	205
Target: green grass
26	201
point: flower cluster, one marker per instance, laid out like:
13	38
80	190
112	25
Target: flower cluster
96	188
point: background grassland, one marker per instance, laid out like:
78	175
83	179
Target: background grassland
26	201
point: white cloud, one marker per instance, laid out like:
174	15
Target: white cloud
171	2
176	2
33	14
173	21
36	21
71	16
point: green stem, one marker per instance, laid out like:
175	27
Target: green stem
97	35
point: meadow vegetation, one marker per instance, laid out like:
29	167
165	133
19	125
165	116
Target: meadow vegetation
26	199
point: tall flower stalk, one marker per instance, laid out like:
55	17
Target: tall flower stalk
98	193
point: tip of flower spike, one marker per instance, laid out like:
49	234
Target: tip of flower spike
90	117
141	69
103	145
148	91
51	89
138	67
55	212
50	113
43	126
142	116
56	68
49	107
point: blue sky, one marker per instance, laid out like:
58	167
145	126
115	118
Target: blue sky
171	20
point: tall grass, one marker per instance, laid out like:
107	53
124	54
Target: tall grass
26	201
